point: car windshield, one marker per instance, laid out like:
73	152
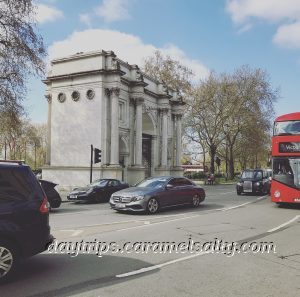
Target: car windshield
287	171
252	174
98	183
152	183
287	128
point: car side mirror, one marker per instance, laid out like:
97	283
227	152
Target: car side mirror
169	187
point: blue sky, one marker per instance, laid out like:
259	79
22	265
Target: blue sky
205	35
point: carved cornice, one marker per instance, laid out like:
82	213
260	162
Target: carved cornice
115	91
136	100
165	89
82	73
163	110
139	76
115	65
49	98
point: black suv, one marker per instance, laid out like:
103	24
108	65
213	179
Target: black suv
24	216
254	181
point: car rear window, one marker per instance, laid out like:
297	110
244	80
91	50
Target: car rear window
18	183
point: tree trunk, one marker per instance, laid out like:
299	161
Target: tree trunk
231	163
212	153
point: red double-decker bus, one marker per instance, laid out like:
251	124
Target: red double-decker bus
286	159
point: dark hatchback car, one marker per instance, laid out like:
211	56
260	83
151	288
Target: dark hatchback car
155	193
254	181
24	216
98	191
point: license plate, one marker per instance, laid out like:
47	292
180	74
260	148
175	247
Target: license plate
248	190
73	196
120	205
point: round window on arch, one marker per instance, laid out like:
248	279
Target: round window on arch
75	95
90	94
61	97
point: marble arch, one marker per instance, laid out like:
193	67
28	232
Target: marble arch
129	115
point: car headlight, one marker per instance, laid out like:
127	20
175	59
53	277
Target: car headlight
138	198
239	184
258	183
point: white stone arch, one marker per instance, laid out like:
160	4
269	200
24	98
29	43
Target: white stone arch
123	145
149	124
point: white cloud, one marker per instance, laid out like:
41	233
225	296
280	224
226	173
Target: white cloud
242	11
288	36
45	13
128	48
245	28
285	13
113	10
85	18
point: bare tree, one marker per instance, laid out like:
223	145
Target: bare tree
225	110
249	100
174	74
205	116
21	51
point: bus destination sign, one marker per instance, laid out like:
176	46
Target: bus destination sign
289	147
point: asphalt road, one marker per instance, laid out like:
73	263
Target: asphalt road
223	216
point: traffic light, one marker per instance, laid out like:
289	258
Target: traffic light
97	156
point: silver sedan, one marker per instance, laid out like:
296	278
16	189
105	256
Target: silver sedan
156	193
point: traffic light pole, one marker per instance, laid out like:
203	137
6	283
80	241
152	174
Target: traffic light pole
91	167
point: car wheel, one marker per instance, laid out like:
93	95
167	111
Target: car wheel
152	206
238	192
196	200
8	260
98	199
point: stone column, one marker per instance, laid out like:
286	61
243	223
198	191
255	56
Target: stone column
154	156
114	127
178	140
106	125
173	140
131	133
138	132
164	152
48	152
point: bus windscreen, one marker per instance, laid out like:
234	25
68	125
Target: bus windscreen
287	128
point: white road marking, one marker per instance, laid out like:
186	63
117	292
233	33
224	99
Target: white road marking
146	269
75	232
190	217
241	205
146	223
156	223
284	224
142	221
